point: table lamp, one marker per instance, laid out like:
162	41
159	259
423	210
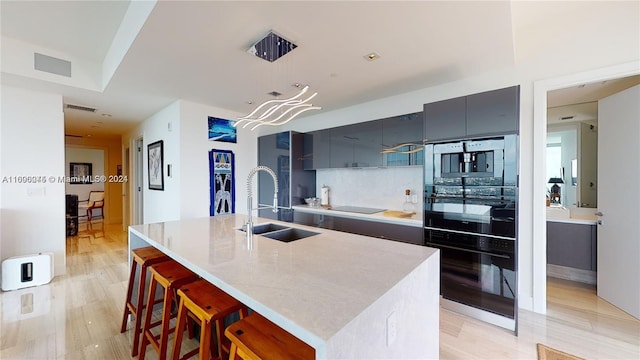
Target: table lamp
555	189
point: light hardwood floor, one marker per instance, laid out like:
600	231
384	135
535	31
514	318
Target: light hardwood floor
77	316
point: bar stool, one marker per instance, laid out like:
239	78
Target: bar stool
255	338
170	275
143	257
206	304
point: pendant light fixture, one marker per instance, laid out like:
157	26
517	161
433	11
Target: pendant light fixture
278	111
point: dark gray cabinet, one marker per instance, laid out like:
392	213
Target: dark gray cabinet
283	153
357	145
361	144
493	112
445	119
381	230
400	130
485	114
317	150
572	245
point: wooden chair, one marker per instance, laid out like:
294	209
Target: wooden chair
141	258
207	305
255	338
169	275
95	201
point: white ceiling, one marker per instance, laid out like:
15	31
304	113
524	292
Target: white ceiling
196	51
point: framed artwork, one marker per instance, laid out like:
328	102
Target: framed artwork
222	185
155	161
222	130
80	173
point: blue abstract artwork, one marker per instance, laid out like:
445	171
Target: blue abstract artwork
222	130
222	182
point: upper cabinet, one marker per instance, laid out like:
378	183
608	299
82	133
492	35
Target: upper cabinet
357	145
363	144
489	113
493	112
445	119
402	140
317	150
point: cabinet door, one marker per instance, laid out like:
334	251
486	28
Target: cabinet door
570	245
274	153
399	130
341	153
303	182
408	234
445	119
493	112
367	144
317	150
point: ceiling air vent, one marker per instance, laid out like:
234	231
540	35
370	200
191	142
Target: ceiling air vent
81	108
51	64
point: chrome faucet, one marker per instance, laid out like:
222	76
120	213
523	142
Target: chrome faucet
249	224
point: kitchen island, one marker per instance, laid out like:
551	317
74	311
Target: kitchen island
348	296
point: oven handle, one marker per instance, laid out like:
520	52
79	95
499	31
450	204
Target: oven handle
469	250
469	233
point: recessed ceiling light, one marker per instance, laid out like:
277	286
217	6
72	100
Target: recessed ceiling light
372	56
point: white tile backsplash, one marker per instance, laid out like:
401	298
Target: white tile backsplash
372	187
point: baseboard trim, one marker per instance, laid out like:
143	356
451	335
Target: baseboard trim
573	274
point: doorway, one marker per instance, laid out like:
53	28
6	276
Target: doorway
541	88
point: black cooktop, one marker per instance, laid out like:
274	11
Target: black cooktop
357	209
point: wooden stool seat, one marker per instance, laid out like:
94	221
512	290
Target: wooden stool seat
255	337
142	257
207	304
170	275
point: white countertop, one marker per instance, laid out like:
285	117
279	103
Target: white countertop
313	287
584	216
415	220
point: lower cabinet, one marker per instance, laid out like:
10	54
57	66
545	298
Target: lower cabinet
402	233
572	245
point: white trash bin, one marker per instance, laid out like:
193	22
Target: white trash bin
30	270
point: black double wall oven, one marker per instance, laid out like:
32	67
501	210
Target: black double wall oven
471	216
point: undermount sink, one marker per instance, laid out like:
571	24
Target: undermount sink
280	232
289	235
265	228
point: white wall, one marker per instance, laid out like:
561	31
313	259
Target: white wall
194	158
91	156
186	148
33	215
163	125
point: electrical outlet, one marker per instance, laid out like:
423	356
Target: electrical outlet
392	328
